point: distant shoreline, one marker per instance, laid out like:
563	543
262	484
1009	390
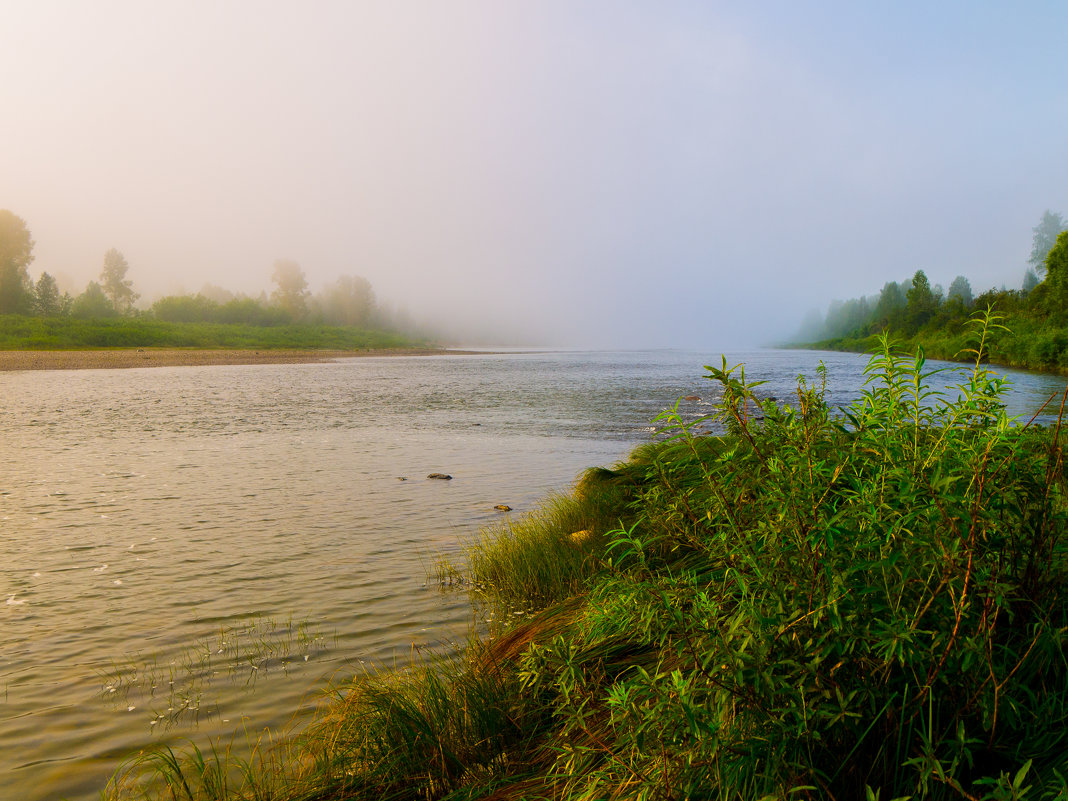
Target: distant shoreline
122	358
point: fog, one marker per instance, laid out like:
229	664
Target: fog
584	173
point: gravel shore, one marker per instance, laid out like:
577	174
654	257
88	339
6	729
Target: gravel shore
176	357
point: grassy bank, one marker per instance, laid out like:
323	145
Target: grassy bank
1022	341
66	333
808	606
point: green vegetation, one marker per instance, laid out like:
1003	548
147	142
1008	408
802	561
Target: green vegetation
69	333
117	287
16	252
33	316
1035	335
808	606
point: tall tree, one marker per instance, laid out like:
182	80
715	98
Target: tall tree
348	301
117	288
1057	267
921	302
961	290
291	292
16	253
1045	237
891	302
1030	281
47	300
93	303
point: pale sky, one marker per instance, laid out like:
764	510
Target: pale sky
580	172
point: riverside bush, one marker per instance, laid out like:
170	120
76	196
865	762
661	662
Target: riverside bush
829	607
811	605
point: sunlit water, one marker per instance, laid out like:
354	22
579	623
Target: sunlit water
196	553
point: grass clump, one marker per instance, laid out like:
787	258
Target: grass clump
811	605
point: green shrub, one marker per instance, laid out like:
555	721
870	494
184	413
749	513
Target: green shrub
829	608
866	605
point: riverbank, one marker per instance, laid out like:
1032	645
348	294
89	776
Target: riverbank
1005	350
796	609
184	357
66	333
1026	331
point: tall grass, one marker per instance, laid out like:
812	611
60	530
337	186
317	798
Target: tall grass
864	605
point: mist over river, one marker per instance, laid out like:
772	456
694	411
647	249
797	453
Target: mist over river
195	553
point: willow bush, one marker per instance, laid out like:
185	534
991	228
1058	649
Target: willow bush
828	607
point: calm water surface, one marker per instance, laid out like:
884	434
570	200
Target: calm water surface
195	553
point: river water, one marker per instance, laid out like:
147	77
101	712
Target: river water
196	553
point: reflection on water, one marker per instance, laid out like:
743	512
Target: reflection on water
192	552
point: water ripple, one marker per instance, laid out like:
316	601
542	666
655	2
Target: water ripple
227	495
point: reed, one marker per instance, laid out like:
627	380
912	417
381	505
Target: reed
176	688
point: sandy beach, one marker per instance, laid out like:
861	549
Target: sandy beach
177	357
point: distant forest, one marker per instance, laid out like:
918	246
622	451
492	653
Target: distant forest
349	301
916	313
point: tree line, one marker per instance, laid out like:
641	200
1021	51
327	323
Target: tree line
19	294
913	307
348	301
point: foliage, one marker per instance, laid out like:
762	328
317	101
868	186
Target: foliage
961	291
185	309
117	287
1057	268
829	608
16	245
350	300
291	292
348	304
47	300
201	309
16	253
892	300
1045	236
1037	314
807	606
1030	281
16	290
920	302
93	304
250	311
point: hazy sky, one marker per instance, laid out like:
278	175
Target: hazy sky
607	173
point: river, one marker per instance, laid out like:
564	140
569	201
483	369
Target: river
196	553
